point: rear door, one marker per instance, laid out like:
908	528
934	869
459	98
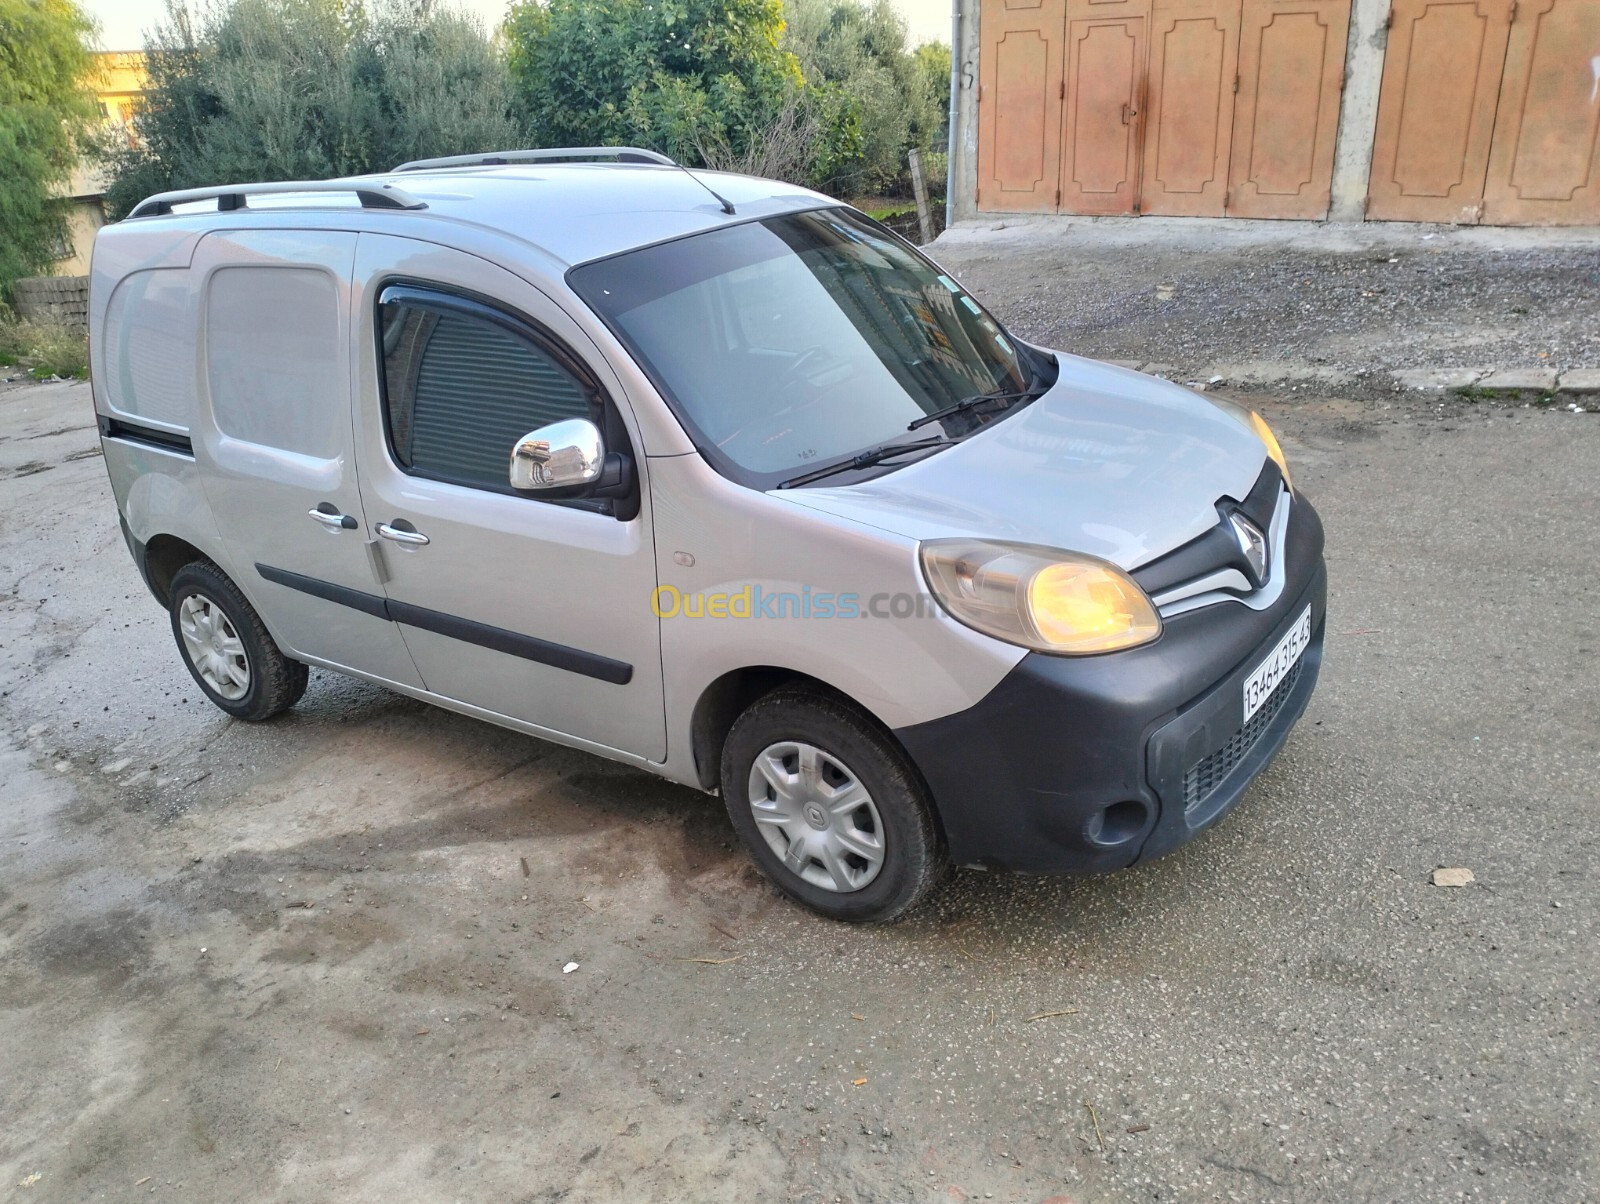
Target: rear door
274	441
529	608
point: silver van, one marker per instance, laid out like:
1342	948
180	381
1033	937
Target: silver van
710	475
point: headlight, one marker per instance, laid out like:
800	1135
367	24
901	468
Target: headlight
1040	598
1262	431
1274	449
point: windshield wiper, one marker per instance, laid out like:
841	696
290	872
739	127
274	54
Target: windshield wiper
972	403
866	459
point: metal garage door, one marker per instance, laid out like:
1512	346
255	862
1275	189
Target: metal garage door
1195	107
1490	112
1019	105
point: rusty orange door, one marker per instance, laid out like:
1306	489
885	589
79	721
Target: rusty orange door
1436	109
1194	47
1286	115
1102	118
1544	161
1019	104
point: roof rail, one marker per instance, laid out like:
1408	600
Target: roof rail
622	154
234	196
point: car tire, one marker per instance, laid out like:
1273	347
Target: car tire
226	647
830	807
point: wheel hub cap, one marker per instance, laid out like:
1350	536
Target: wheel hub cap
214	647
816	816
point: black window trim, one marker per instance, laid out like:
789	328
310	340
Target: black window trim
449	299
146	436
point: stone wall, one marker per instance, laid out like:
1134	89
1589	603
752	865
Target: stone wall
53	299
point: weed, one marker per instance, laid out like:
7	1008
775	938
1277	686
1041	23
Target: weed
1503	396
45	349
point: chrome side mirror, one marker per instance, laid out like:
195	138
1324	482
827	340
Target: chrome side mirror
559	456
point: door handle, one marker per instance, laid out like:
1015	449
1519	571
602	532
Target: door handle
1128	113
405	534
329	517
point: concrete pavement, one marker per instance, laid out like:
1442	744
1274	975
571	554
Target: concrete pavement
321	959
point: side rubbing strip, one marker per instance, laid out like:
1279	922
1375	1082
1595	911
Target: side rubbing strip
574	660
132	432
369	604
559	656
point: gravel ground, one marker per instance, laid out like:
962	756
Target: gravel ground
321	958
1348	303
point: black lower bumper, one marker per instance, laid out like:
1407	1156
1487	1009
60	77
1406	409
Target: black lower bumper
1088	764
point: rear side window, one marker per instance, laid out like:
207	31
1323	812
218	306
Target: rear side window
276	367
148	347
463	383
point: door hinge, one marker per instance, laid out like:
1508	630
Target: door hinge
1513	15
1227	197
1061	92
1388	21
1236	85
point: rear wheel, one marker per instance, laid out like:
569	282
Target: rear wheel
830	807
227	649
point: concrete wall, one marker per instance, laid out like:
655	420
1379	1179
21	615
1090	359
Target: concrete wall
53	299
84	217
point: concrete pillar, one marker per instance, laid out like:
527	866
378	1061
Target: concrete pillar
963	183
1358	111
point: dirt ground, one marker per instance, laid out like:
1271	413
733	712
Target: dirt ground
322	959
1346	303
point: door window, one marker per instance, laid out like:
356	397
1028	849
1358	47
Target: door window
463	382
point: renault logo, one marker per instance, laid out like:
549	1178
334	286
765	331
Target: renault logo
1253	544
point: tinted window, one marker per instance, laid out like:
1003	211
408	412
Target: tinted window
461	389
277	373
788	343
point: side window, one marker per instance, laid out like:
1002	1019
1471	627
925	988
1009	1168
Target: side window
461	388
277	372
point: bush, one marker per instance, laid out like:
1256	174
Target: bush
859	49
46	107
305	89
45	349
684	77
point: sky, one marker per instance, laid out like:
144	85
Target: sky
123	22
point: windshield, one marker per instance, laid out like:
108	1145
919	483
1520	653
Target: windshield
788	343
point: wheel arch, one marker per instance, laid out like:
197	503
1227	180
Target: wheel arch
161	558
727	697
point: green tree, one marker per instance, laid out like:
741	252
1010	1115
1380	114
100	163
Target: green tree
304	89
687	77
859	48
46	108
933	64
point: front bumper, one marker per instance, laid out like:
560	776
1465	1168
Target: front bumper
1088	764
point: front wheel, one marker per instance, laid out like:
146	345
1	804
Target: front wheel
830	808
226	647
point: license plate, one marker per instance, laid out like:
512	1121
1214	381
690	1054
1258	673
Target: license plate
1269	674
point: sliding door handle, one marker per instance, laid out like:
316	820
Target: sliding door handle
402	534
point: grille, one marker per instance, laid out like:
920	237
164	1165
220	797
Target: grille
1211	771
